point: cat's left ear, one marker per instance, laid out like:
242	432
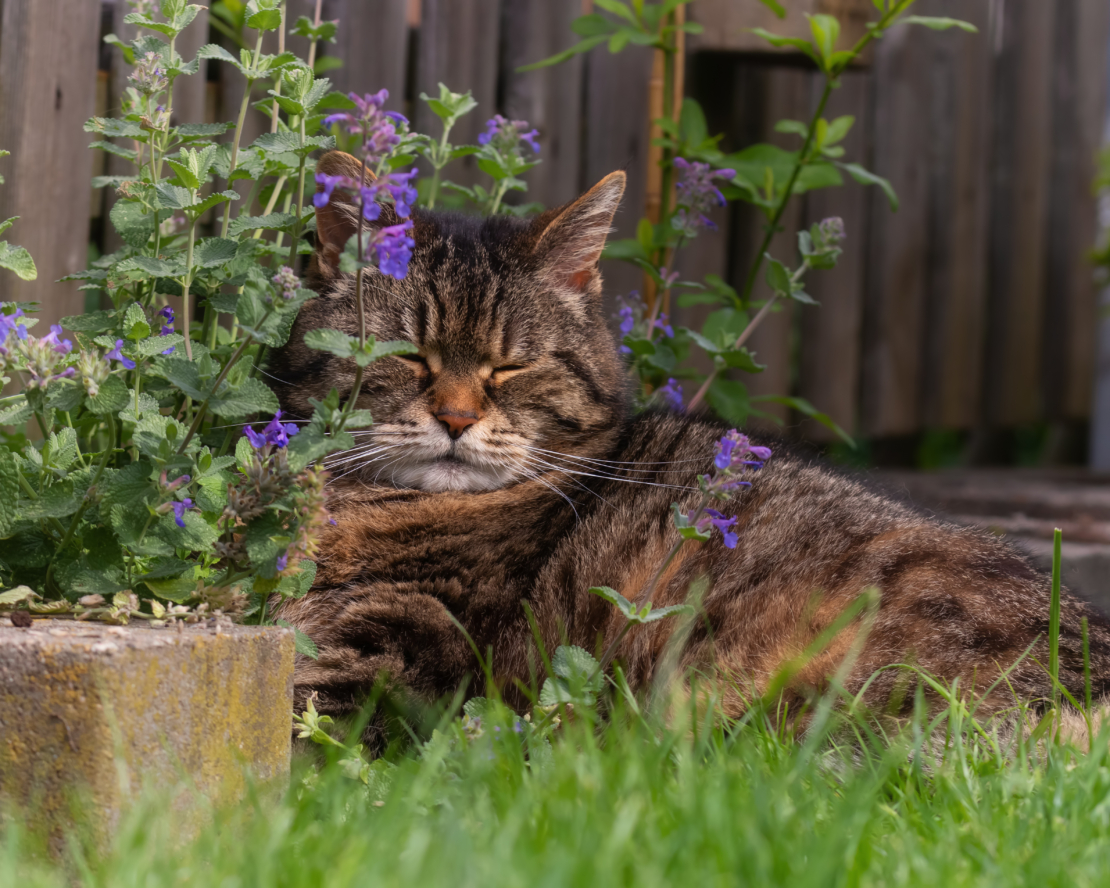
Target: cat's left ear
570	238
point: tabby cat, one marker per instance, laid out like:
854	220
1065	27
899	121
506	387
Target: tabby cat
505	467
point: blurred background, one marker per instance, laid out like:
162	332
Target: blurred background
963	332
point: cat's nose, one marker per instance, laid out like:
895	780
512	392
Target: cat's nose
456	422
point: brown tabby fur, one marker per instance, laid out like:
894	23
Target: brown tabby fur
487	294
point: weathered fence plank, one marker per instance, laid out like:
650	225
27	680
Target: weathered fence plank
1078	102
48	63
549	98
373	43
829	359
958	212
787	93
458	45
1019	214
616	138
894	311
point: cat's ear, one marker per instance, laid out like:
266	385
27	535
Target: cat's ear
570	238
337	220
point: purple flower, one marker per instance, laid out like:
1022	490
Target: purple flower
275	434
630	314
696	194
167	328
399	186
116	355
735	455
321	198
394	248
257	440
661	323
506	135
722	523
282	561
179	511
61	346
377	127
9	322
286	282
671	393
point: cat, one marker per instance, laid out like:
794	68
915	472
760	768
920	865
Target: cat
506	467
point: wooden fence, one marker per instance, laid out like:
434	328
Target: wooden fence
972	308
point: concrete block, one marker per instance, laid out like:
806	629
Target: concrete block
91	715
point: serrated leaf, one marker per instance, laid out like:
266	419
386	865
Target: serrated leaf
9	492
335	341
302	644
18	260
131	222
58	501
111	398
114	128
252	396
269	222
213	251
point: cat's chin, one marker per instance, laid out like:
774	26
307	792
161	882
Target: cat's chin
443	475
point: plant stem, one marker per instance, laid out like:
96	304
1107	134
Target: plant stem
292	263
271	203
277	85
188	282
502	187
353	396
740	340
239	133
232	361
1054	620
312	45
438	163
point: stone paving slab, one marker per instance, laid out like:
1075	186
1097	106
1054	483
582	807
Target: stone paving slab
90	715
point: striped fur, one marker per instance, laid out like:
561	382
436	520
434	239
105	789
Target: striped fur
556	487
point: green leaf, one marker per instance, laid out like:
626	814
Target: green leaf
132	222
269	222
572	668
58	501
9	492
730	400
185	375
778	276
16	595
135	326
865	177
252	396
111	398
114	128
775	7
807	409
614	597
18	260
662	613
213	251
335	341
938	23
302	644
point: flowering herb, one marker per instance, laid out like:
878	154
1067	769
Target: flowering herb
671	393
696	195
508	136
116	355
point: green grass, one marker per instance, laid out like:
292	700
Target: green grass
630	804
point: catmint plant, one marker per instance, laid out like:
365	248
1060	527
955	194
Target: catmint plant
698	177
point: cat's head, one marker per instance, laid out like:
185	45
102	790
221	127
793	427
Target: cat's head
516	366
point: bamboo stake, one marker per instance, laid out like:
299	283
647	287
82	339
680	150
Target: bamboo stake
656	203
